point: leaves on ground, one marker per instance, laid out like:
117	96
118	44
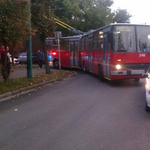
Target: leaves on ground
15	84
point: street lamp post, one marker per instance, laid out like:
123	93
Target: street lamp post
29	45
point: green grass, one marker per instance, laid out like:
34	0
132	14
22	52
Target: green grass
15	84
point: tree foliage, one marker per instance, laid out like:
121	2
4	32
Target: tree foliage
84	14
13	22
88	14
13	26
122	16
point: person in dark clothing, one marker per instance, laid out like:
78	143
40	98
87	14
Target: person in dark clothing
5	61
40	58
3	56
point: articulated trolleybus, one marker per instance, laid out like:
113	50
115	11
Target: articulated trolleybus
115	51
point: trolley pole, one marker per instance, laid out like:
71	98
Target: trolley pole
29	45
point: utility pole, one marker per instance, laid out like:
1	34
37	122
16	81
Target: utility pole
29	45
58	36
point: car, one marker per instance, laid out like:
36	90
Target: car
23	58
34	58
147	87
15	60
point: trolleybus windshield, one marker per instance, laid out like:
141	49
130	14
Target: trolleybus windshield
143	38
124	39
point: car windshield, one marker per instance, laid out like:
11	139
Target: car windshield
124	39
143	39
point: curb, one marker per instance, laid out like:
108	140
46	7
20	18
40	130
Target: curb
16	93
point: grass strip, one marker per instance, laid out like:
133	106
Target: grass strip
15	84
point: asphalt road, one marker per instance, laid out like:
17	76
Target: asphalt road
79	113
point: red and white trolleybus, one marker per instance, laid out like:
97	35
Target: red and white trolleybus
115	51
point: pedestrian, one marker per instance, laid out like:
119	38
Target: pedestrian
5	60
40	58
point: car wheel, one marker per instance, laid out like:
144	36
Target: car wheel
147	108
56	64
100	73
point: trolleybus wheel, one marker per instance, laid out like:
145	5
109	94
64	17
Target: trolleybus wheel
137	80
100	73
56	63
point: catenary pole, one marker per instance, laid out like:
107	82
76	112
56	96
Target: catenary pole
29	45
58	37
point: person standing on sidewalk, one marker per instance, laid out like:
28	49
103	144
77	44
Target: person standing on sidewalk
40	58
5	61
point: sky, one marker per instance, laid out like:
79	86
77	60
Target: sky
139	9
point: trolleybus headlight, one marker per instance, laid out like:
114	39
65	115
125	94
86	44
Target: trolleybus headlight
118	66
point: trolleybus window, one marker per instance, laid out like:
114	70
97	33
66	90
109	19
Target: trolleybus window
95	40
100	40
83	41
124	39
143	39
64	44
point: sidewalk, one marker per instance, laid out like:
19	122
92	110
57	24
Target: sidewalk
19	71
22	72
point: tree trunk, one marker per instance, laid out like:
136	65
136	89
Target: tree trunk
47	67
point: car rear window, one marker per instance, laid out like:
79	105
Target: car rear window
23	54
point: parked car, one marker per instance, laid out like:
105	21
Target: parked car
23	58
34	58
147	86
15	60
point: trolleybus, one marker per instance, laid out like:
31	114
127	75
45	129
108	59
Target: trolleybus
115	51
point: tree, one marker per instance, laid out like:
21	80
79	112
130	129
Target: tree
83	14
43	23
13	23
122	16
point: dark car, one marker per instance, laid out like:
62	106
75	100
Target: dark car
34	58
23	58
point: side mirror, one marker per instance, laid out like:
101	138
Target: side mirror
145	75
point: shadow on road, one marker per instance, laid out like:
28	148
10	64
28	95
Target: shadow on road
115	83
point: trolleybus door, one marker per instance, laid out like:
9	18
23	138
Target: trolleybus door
106	64
74	53
71	53
90	53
